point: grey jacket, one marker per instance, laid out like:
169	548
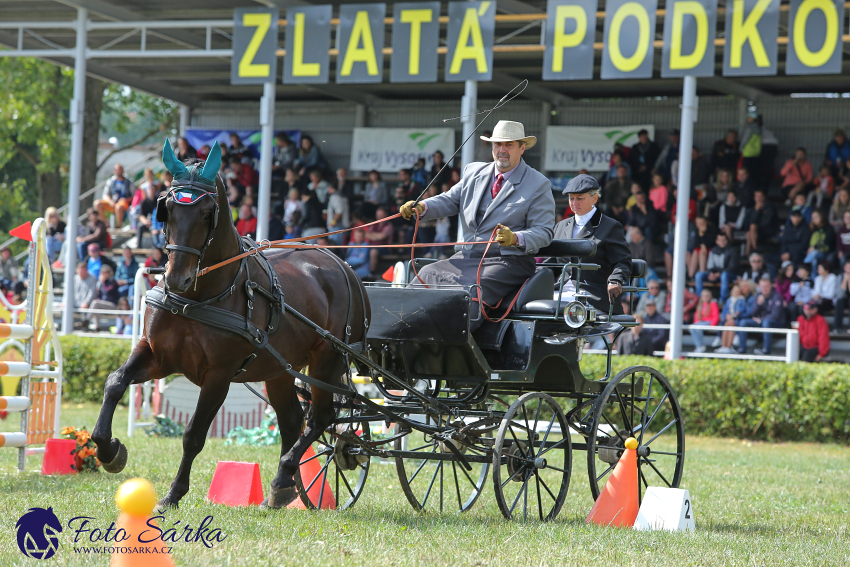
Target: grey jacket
525	205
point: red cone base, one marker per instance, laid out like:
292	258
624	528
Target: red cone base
236	484
59	456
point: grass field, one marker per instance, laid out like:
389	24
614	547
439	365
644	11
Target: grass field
755	504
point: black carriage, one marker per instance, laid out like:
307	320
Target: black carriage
510	397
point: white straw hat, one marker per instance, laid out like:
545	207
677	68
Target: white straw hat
507	131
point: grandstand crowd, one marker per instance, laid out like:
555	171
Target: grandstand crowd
768	246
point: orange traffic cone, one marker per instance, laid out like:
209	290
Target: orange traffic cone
618	503
309	471
388	275
136	499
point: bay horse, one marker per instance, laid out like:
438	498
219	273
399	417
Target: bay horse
199	233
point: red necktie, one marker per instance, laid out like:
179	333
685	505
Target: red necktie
497	185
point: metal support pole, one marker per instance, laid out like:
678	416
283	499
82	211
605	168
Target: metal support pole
545	120
185	116
266	157
468	106
686	143
76	170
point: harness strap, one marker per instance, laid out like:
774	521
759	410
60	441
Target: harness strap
350	294
186	249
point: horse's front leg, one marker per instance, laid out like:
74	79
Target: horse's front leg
213	393
139	368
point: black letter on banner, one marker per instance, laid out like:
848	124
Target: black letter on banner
629	33
360	41
254	59
416	34
815	30
752	27
570	32
689	29
308	39
471	29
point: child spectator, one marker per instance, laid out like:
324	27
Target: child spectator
843	301
802	291
630	202
357	257
784	279
291	205
794	242
658	194
706	314
825	291
701	240
822	242
814	334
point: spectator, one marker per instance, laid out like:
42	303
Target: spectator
745	186
642	249
345	186
642	158
419	173
784	280
671	233
732	309
405	182
635	341
724	184
55	233
204	152
822	243
318	186
690	303
247	223
643	216
125	272
839	207
106	296
797	175
814	334
358	257
156	260
291	205
292	229
843	301
732	217
10	271
669	154
843	239
826	289
379	234
837	153
824	188
799	204
339	216
764	223
237	148
146	220
720	266
141	194
769	313
618	159
124	323
617	192
185	149
701	241
93	233
285	155
700	170
97	260
312	222
757	268
725	153
802	291
85	287
794	242
655	293
751	141
117	195
706	314
658	337
632	199
310	157
438	174
442	231
659	194
295	181
376	194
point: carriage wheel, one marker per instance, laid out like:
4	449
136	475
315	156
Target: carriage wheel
340	467
639	403
440	484
532	459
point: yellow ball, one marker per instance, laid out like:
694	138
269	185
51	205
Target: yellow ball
136	497
631	443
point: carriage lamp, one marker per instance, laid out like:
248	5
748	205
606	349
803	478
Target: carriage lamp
575	314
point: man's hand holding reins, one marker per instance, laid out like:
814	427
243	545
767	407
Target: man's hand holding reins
614	290
505	236
407	209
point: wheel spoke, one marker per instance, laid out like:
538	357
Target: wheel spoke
533	432
609	469
611	425
654	452
410	480
543	482
646	408
518	444
469	478
558	444
324	483
422	447
624	414
316	456
510	478
348	486
457	486
315	478
666	427
433	479
539	502
654	413
519	494
548	430
548	466
647	461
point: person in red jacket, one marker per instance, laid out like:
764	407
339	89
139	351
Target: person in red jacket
247	223
706	313
814	334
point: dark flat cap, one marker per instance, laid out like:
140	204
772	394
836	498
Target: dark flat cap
581	183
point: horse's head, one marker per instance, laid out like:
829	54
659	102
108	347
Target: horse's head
189	211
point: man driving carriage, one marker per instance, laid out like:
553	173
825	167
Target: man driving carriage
505	197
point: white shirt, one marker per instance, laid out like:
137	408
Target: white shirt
581	220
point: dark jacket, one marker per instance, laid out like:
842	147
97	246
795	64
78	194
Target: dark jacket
629	344
723	259
772	308
612	255
795	241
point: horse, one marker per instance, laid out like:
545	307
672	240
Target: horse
199	233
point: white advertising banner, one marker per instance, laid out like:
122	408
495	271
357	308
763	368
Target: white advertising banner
391	149
571	148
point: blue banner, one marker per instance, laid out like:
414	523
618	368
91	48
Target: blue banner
199	137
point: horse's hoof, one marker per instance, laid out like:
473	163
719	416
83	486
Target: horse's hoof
117	464
280	497
165	505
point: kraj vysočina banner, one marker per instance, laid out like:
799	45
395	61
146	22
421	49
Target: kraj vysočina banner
391	149
571	148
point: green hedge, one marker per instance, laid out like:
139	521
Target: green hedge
756	400
741	399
